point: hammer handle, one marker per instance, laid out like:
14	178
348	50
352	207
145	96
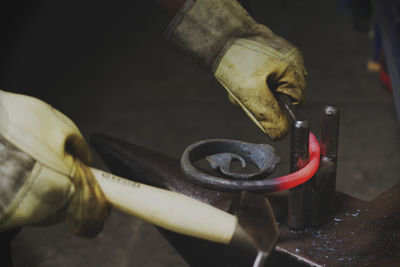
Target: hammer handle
167	209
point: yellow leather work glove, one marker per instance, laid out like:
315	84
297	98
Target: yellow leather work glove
43	172
247	58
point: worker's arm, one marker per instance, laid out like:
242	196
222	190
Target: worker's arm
43	172
247	58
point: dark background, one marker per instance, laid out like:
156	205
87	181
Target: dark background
107	67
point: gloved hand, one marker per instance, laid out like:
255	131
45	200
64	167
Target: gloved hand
248	59
43	172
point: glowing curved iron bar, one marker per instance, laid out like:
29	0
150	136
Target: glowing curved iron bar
305	173
262	186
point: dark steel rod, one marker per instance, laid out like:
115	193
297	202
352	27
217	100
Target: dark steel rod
321	188
330	133
299	157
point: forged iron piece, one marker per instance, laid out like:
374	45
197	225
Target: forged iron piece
321	188
220	152
195	152
262	155
362	233
299	157
222	162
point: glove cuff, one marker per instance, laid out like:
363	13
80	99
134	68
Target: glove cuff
206	28
30	192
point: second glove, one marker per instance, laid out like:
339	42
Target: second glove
247	58
43	172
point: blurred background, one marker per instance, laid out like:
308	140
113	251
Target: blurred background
106	65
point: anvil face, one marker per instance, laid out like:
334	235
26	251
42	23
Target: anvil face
361	233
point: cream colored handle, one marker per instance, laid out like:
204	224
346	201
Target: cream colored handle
170	210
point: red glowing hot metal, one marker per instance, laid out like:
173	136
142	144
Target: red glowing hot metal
198	150
304	174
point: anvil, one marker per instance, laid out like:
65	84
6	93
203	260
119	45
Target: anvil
360	233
